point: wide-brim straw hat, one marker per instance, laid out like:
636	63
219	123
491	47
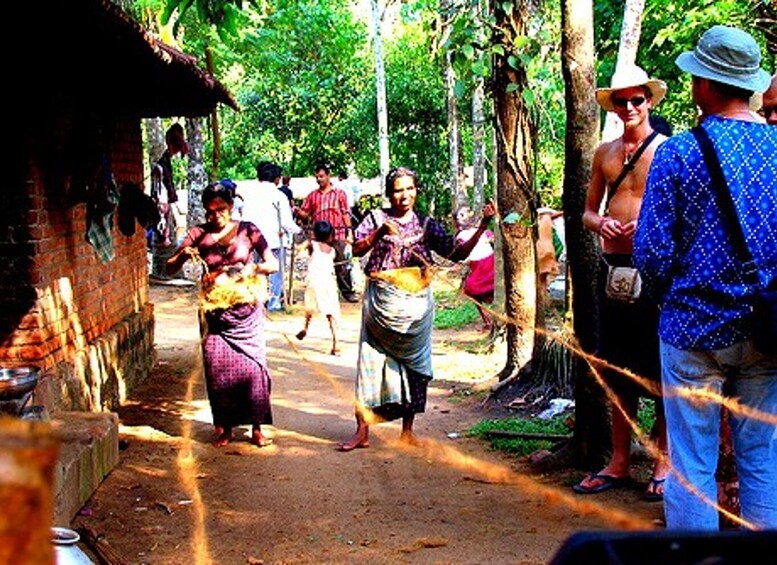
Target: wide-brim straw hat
728	55
629	77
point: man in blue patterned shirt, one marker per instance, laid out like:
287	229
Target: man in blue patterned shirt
684	251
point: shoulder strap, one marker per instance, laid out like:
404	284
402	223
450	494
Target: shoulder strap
725	201
628	167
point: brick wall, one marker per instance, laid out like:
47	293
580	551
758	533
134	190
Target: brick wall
87	324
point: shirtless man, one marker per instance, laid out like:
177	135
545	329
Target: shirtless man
628	331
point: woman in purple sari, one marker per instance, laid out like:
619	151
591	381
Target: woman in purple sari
233	348
395	347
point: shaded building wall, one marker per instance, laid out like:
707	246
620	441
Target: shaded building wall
88	325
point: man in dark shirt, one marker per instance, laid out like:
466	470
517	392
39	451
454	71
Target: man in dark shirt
284	188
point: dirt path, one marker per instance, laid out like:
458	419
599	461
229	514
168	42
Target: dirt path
174	500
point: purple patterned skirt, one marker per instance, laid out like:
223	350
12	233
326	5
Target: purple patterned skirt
236	373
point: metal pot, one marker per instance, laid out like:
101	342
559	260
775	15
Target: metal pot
66	549
15	382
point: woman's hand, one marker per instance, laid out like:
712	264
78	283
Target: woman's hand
489	211
388	227
189	252
211	278
177	259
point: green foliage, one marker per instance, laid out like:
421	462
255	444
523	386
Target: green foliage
303	74
517	446
473	42
553	426
669	27
296	71
417	116
223	14
452	311
646	415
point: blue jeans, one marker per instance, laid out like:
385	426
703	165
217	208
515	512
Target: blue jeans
275	302
693	430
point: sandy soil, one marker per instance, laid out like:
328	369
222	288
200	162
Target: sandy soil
176	499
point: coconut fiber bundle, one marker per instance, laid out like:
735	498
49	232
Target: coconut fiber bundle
233	290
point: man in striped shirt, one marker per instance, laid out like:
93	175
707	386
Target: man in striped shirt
330	203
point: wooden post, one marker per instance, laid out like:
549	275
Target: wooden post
28	456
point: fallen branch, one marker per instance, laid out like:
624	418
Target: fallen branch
526	435
487	481
104	552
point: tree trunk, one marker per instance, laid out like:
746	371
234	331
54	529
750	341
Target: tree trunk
197	178
631	29
478	118
515	199
591	434
456	169
478	121
214	124
380	86
155	136
478	146
500	296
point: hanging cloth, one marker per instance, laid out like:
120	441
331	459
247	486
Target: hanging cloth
100	208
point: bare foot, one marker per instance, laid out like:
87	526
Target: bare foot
260	440
301	335
223	436
359	440
412	439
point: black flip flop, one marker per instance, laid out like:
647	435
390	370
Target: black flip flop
608	482
651	494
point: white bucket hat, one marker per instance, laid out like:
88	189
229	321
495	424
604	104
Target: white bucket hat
728	55
629	77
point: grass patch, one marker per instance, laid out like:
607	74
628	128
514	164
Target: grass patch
459	396
519	446
646	416
452	311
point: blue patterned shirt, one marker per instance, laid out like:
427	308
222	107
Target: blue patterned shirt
682	248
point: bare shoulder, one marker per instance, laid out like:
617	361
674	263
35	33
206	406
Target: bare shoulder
608	158
609	150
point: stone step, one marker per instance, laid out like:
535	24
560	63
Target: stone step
89	451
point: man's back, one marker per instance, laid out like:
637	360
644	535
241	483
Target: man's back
261	206
684	242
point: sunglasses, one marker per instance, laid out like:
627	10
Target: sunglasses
636	101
